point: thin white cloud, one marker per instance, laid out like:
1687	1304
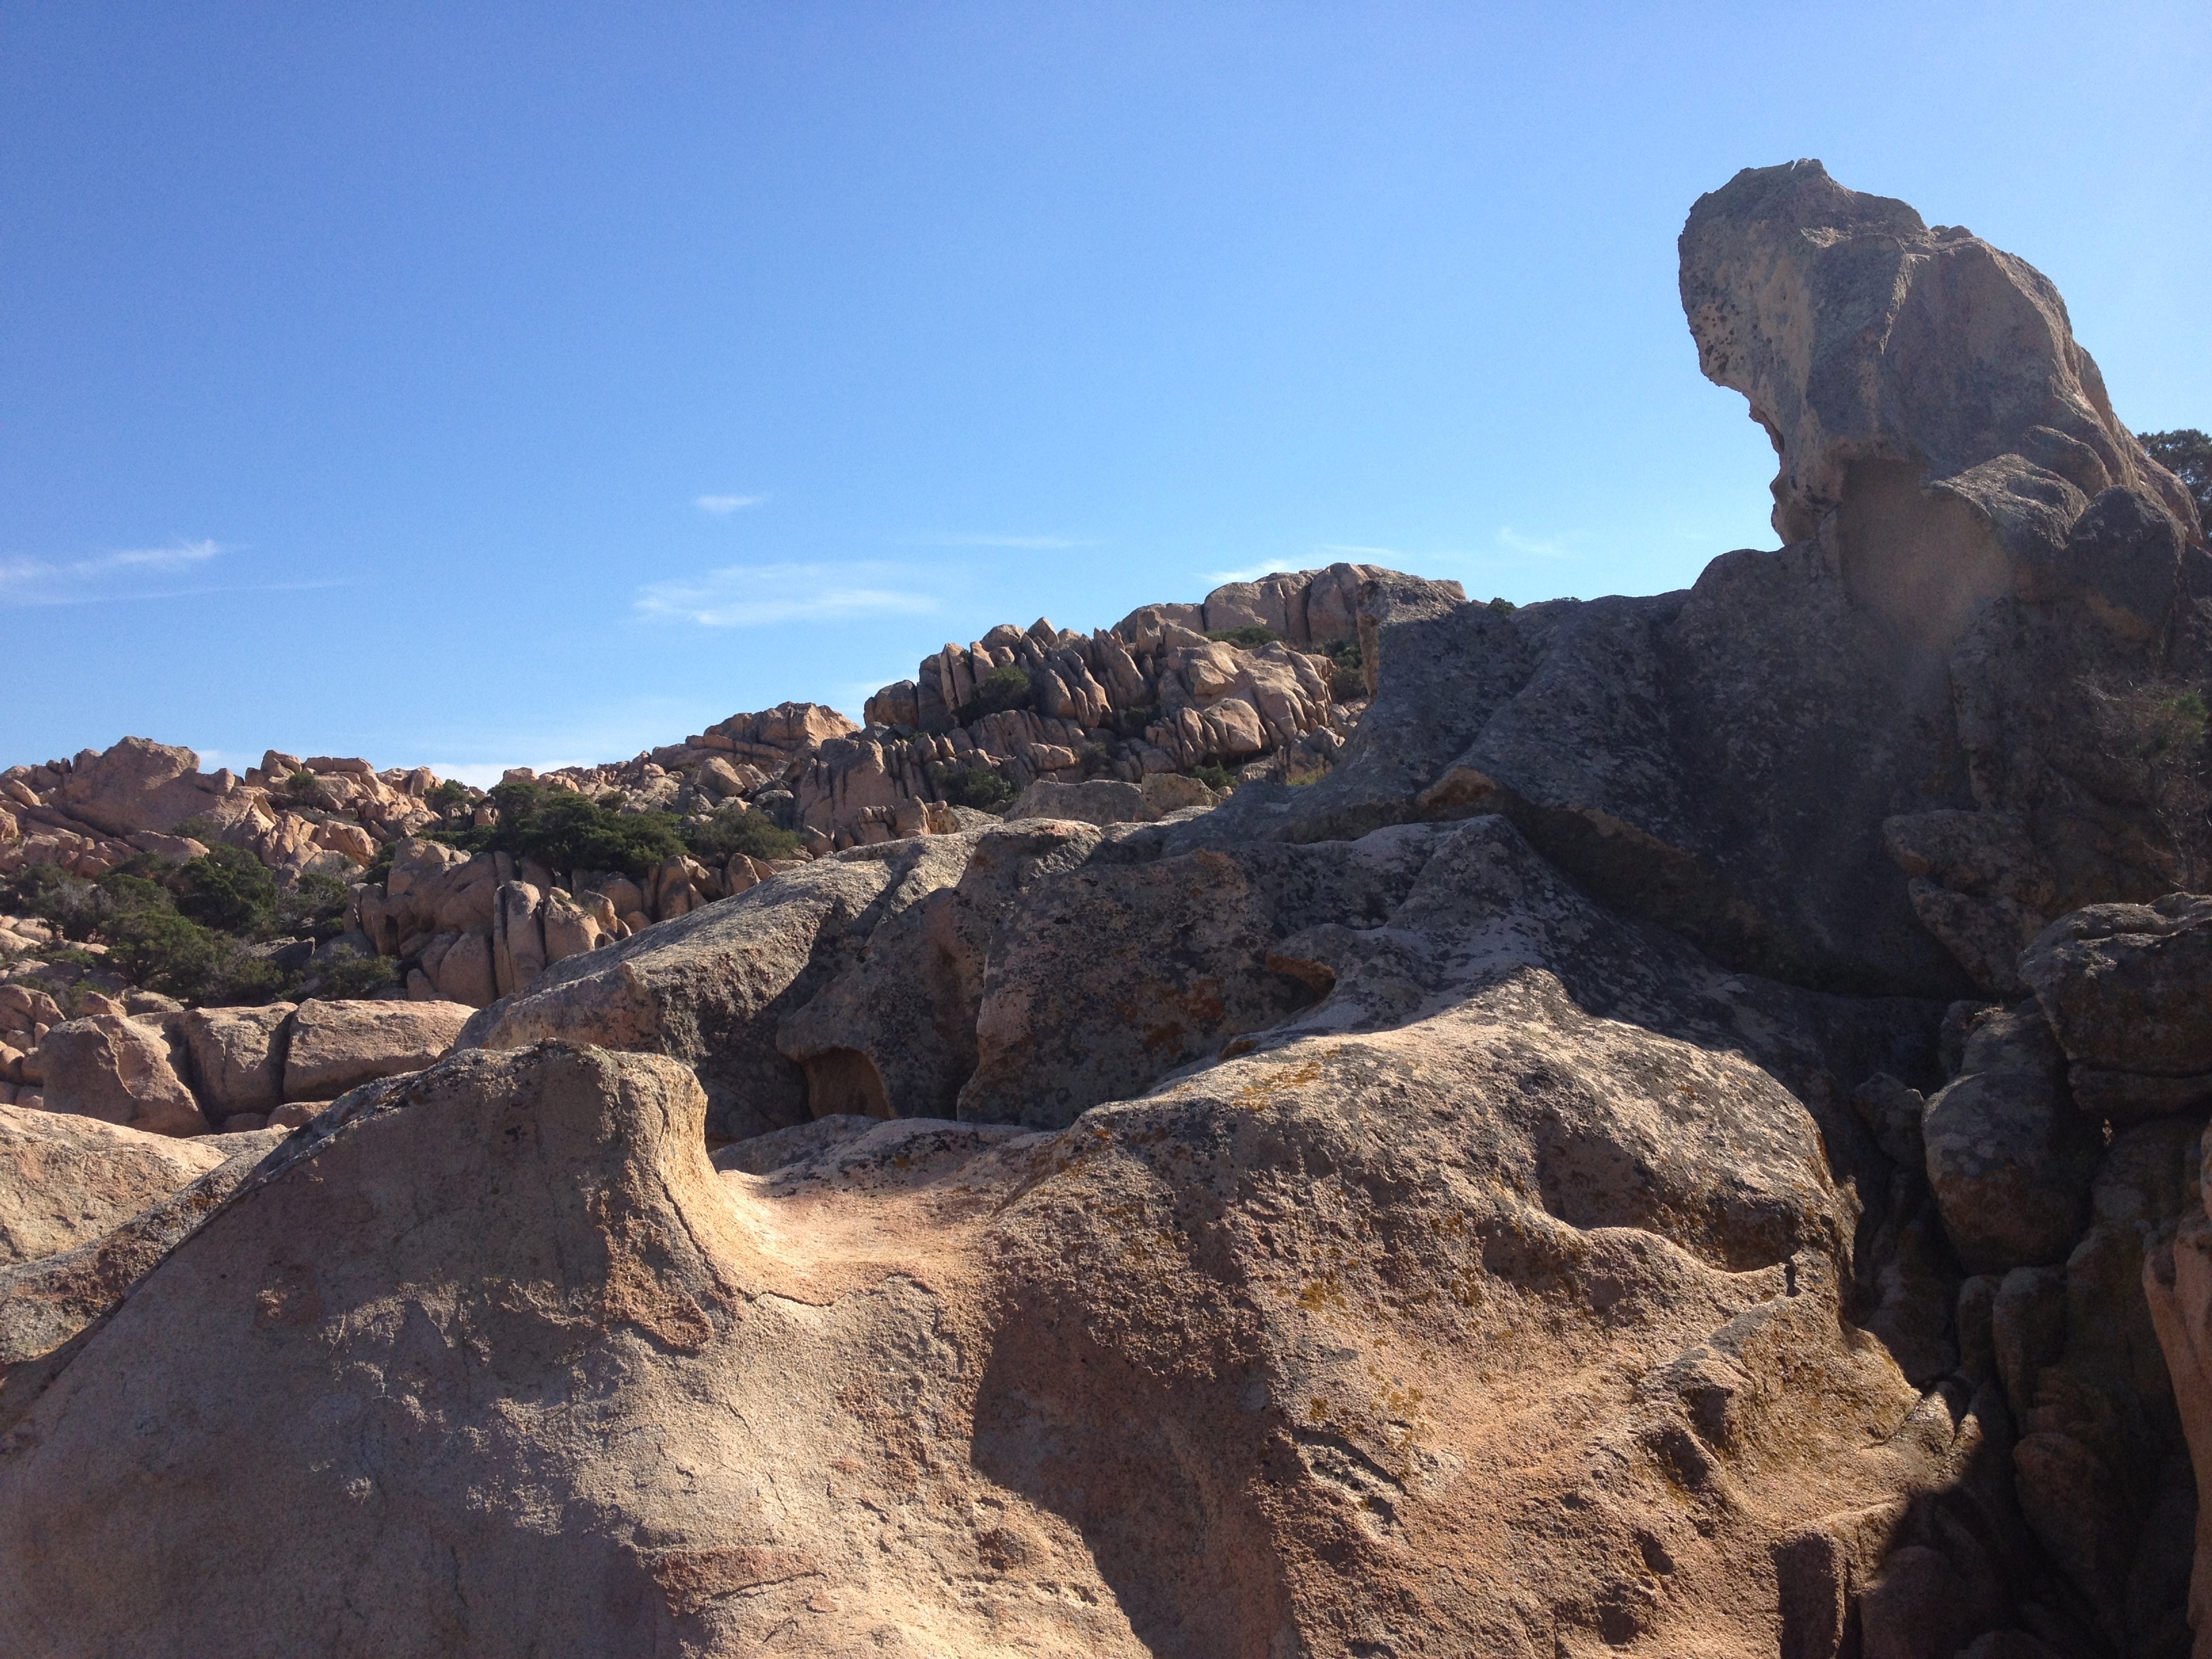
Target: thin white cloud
722	506
1032	542
1250	573
750	596
123	574
1355	547
1536	546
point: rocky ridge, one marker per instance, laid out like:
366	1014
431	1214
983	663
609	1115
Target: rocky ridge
1687	1138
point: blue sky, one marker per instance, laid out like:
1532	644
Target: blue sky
482	385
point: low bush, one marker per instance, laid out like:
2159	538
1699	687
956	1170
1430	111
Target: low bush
978	786
227	890
564	830
1004	687
736	830
1347	680
1214	776
1250	637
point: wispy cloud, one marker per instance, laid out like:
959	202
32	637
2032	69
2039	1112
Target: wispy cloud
1250	573
722	506
123	574
1364	552
1034	543
1535	546
750	596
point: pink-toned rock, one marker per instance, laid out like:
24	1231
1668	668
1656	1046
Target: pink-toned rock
337	1046
237	1057
66	1180
117	1070
137	785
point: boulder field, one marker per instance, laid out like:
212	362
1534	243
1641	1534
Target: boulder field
1684	1138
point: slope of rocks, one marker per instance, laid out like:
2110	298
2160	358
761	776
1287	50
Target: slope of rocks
1685	1137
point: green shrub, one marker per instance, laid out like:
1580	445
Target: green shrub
1347	682
564	830
348	974
1503	607
2187	453
450	798
229	890
1214	776
315	907
736	830
1130	722
1003	687
72	903
304	789
1250	637
978	786
157	950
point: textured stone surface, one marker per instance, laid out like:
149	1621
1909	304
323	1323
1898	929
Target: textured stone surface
2129	991
1322	1343
2009	1159
712	987
334	1045
237	1057
66	1181
117	1070
1863	337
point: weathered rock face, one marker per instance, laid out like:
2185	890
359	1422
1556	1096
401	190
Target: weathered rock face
117	1070
1866	340
335	1046
1166	1363
713	987
47	1302
1752	762
67	1181
2009	1159
2128	990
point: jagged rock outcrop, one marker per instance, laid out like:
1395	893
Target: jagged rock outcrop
1752	762
1522	1191
70	1181
1871	345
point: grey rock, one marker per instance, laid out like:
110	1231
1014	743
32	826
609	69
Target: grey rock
2128	988
2009	1159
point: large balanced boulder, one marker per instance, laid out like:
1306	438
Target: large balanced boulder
2009	1159
712	987
117	1069
333	1047
1316	1351
66	1181
2128	988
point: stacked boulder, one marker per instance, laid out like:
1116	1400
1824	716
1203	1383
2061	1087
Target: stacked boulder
90	814
181	1071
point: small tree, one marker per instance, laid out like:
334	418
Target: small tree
2186	453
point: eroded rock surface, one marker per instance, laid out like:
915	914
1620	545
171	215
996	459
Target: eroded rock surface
1521	1191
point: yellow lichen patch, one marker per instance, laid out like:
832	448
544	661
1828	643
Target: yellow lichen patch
1263	1091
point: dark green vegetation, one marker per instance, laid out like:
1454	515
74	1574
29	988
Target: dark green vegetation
1003	687
736	830
2186	453
191	931
978	786
1346	680
1250	637
566	831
